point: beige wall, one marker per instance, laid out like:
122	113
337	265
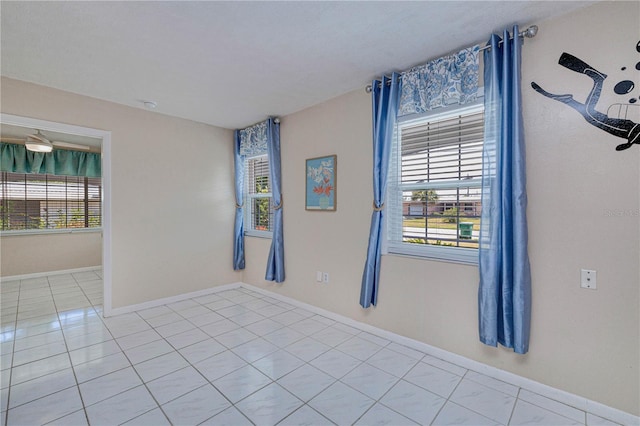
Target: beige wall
172	202
172	215
582	341
34	253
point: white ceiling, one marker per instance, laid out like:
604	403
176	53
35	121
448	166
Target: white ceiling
11	132
232	64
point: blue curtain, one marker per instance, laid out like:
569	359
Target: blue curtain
238	229
504	296
385	97
275	262
16	158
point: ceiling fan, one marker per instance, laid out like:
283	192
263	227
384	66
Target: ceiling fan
39	143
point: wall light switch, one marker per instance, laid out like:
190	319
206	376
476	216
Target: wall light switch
319	276
588	279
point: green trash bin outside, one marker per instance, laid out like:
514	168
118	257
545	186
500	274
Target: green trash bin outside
465	229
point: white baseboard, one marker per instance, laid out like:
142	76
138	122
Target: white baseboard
167	300
564	397
44	274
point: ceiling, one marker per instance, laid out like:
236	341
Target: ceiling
11	132
232	64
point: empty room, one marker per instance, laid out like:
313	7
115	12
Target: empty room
320	213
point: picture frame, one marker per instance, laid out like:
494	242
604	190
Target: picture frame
321	183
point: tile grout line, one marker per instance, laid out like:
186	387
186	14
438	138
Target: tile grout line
135	371
208	382
283	326
68	354
227	349
75	377
272	381
35	378
513	409
13	347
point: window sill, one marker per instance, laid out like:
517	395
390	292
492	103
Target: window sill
50	231
259	234
456	255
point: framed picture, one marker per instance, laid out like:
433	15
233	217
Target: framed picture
321	183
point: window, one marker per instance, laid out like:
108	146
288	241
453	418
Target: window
434	191
34	201
258	205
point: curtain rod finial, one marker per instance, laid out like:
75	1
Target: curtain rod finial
530	32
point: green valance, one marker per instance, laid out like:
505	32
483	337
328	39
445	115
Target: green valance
17	159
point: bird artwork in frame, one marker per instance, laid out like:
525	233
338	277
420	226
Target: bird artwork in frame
320	175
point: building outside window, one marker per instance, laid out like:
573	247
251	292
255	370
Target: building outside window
46	202
434	191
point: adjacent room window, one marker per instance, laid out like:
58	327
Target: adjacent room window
41	202
258	204
434	192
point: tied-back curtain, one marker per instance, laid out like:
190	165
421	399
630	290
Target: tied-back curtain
452	79
249	142
385	97
275	262
260	139
238	229
504	296
16	158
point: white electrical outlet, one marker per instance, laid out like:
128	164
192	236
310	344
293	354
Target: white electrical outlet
319	276
588	279
325	277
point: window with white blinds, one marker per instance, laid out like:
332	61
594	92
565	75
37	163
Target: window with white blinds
41	202
434	190
258	205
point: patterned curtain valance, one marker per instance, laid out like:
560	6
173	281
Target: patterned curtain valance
448	80
253	140
60	162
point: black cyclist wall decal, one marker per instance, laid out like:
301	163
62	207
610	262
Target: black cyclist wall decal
613	123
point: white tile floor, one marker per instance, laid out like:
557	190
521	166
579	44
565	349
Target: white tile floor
235	357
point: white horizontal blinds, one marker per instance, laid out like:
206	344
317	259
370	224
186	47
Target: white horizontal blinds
93	202
66	208
258	175
34	201
260	209
443	150
434	188
394	200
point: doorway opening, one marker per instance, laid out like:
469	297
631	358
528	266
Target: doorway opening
15	128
